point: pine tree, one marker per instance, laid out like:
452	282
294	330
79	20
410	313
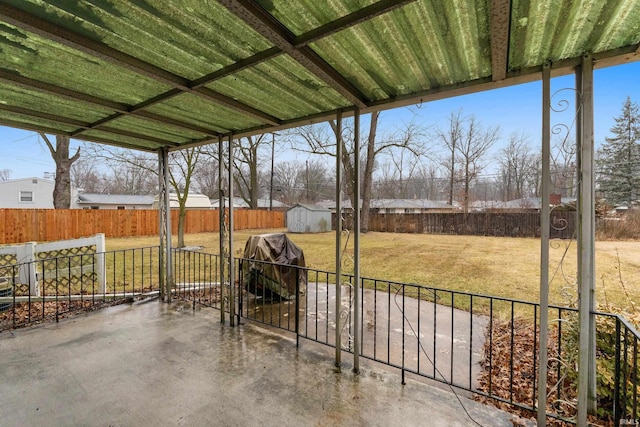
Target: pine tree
619	158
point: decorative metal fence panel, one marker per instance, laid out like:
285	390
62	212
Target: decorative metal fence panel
71	285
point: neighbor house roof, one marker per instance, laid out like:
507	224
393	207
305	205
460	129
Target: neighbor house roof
531	203
29	179
408	204
239	202
391	204
114	199
315	208
167	73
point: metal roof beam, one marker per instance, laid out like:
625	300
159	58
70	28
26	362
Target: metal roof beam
500	20
50	31
354	18
42	115
80	124
72	95
237	66
266	25
30	127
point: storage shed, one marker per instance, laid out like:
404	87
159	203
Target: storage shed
308	219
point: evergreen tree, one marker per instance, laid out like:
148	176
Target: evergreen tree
619	158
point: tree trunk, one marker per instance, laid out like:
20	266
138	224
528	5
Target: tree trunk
181	218
60	155
368	174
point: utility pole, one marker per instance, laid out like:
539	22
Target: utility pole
307	163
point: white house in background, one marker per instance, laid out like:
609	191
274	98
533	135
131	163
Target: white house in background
414	206
239	203
27	193
395	206
111	201
194	201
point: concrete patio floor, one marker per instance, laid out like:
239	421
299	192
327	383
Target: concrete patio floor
154	364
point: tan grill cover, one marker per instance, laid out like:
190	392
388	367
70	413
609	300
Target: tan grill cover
266	279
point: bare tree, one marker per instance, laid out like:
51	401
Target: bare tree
205	177
5	174
315	181
132	170
467	144
60	155
475	144
285	181
316	139
451	137
563	166
427	182
184	161
246	161
516	166
86	175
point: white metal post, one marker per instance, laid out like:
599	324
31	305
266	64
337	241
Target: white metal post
101	272
544	243
338	238
167	224
356	242
586	241
26	257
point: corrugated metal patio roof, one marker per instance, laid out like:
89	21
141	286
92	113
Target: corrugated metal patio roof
149	74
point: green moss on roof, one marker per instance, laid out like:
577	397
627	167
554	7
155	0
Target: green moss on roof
31	56
34	100
155	129
194	110
387	56
301	16
281	87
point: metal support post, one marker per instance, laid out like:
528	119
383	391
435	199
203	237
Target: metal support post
221	236
297	322
338	238
161	220
167	203
356	242
586	241
164	206
232	271
544	243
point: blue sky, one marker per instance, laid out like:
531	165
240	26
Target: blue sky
516	108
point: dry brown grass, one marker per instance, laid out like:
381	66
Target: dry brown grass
508	267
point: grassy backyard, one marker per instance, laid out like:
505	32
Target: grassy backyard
507	267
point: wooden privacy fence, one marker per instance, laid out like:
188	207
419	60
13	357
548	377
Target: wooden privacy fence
44	225
521	224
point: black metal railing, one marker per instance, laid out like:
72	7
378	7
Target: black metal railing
56	287
482	344
196	277
618	343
